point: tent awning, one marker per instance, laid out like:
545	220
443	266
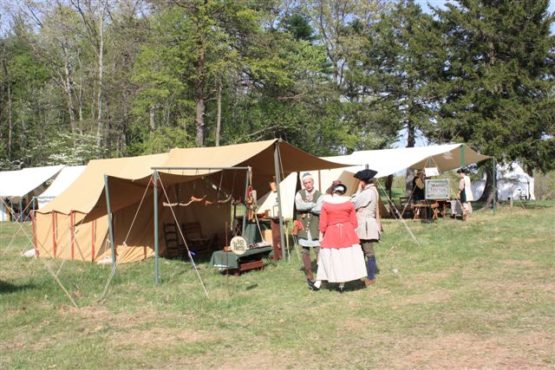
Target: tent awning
389	161
15	184
86	191
129	176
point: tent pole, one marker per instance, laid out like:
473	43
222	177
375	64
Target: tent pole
462	156
156	246
280	214
494	184
246	212
110	222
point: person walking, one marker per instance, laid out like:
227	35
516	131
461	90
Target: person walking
366	203
340	258
307	204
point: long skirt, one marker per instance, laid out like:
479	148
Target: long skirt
338	265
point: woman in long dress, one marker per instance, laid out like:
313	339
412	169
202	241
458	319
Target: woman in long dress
340	258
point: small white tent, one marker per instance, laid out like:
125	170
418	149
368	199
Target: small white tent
512	183
64	179
16	185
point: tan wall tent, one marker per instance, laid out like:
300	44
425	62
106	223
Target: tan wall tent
75	225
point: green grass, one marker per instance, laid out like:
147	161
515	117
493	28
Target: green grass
476	294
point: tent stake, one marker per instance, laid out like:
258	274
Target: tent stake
156	246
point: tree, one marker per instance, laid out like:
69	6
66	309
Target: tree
497	80
388	77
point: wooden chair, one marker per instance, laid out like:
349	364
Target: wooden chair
198	243
174	244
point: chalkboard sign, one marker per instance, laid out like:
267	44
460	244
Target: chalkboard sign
438	189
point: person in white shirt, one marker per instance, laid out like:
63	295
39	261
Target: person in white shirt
465	193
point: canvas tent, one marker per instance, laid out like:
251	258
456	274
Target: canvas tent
75	224
390	161
62	181
23	184
512	183
387	162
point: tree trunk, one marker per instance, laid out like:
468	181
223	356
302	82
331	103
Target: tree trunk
411	141
489	193
199	93
219	113
151	118
100	128
68	88
9	110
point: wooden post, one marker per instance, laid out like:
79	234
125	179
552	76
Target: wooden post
156	246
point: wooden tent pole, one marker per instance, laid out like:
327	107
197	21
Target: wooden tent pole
156	244
277	160
246	211
110	221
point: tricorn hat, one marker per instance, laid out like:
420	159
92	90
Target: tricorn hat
365	175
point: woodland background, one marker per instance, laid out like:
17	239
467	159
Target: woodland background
83	79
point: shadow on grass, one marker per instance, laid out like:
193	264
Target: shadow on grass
6	288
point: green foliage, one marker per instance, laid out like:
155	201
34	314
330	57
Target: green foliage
164	139
389	74
497	76
330	77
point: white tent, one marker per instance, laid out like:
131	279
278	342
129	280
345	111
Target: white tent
389	161
288	187
386	161
512	183
15	185
64	179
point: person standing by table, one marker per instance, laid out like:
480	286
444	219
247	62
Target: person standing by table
418	187
340	258
465	193
307	204
366	203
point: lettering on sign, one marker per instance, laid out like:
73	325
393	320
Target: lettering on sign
438	189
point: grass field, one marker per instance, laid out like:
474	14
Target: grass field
475	294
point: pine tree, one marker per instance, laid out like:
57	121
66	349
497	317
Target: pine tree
496	82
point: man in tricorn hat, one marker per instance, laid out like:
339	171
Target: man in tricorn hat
369	229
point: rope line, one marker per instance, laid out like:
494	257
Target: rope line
183	238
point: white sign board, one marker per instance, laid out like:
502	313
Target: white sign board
431	171
438	189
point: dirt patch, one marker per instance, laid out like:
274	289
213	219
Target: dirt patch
513	351
521	263
234	359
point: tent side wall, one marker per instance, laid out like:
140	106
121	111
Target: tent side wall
58	235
